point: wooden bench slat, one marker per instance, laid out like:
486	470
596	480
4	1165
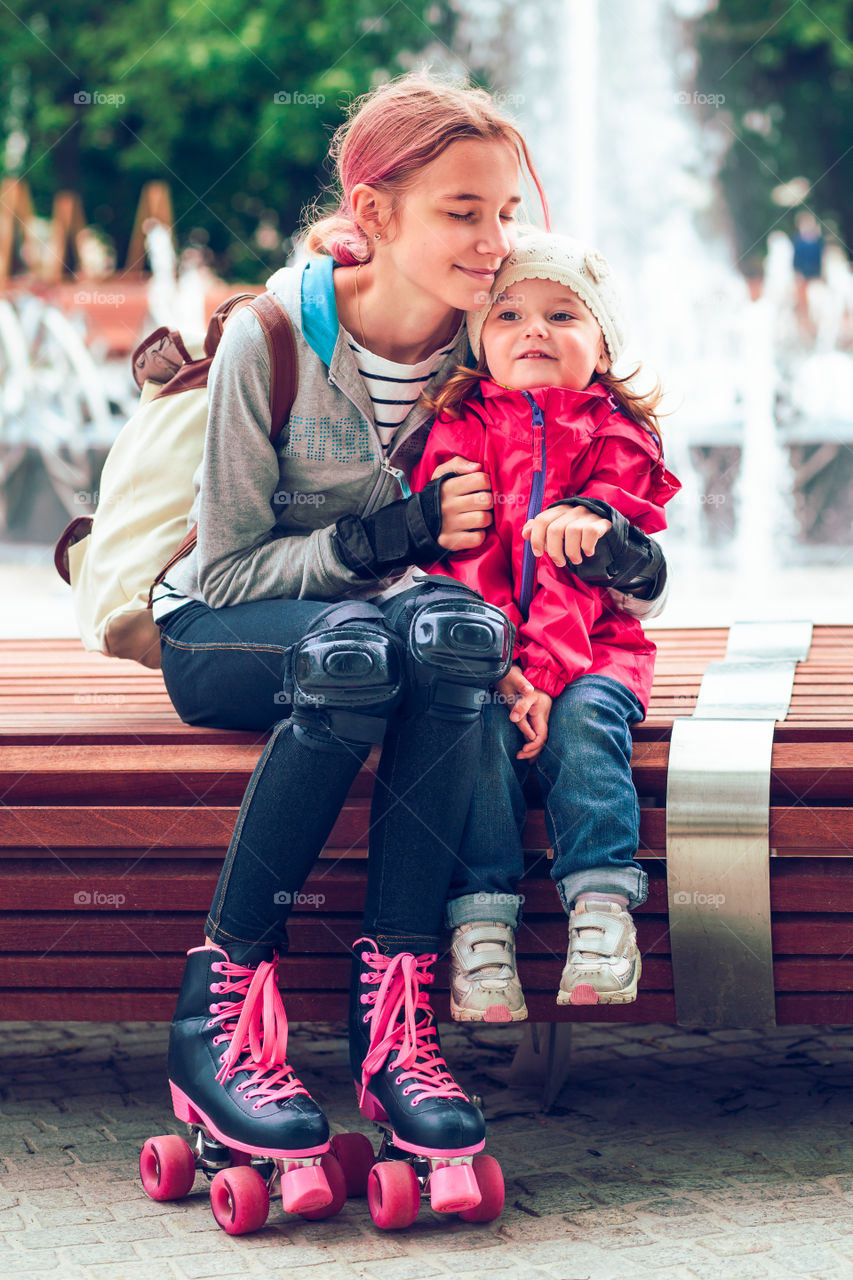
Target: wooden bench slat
173	933
170	773
200	824
801	885
792	1008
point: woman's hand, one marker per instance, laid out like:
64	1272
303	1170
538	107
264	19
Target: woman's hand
531	708
466	504
564	533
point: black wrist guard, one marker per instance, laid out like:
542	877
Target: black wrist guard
625	559
403	533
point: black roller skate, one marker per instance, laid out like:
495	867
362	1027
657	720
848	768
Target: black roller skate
251	1120
432	1134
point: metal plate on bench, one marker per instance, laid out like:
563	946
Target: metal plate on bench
718	817
745	691
718	877
769	641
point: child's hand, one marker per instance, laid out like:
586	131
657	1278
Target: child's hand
535	726
530	710
565	533
466	503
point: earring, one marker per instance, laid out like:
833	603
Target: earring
377	236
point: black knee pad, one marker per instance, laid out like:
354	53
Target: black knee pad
345	676
458	647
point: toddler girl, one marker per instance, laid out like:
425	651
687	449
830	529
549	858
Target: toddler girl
576	468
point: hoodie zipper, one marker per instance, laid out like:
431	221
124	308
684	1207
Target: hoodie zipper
534	506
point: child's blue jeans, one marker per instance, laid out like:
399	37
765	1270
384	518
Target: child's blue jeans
592	813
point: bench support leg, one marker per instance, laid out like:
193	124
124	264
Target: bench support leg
543	1059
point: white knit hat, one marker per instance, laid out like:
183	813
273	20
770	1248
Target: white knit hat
544	256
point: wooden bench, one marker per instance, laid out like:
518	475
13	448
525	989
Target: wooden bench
115	818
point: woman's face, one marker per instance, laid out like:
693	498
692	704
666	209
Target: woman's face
455	225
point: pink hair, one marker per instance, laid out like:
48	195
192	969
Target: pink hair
390	135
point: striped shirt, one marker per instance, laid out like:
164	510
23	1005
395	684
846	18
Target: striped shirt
394	388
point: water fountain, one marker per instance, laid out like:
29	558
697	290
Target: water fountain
599	88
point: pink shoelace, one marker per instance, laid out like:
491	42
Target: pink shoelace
256	1030
394	1024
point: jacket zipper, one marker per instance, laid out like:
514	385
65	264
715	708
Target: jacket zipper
385	468
534	506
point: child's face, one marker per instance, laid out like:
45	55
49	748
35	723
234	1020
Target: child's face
540	334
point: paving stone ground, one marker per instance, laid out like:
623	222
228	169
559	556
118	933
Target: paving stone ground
668	1155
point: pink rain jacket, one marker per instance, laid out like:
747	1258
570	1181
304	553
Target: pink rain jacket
537	447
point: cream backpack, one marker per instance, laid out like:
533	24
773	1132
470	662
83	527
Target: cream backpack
115	558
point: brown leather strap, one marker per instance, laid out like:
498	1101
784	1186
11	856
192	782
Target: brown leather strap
283	381
79	527
283	364
220	315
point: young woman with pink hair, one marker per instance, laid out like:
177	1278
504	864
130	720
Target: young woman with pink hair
299	613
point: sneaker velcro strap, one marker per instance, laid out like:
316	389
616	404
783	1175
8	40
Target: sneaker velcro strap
483	947
603	935
486	955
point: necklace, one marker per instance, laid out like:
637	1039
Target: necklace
358	306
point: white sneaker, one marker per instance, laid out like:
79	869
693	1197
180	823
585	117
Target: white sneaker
603	964
484	985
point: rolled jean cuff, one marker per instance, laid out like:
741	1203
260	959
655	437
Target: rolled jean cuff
241	951
392	944
632	881
472	907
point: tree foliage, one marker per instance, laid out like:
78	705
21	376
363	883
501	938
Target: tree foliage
785	71
232	104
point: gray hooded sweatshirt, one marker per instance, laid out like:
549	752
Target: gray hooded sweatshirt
266	514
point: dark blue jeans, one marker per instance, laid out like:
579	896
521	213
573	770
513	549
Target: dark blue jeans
592	813
223	669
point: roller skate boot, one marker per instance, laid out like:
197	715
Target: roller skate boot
484	985
432	1134
252	1122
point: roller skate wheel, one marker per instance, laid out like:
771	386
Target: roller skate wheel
452	1188
393	1195
490	1180
305	1187
240	1200
167	1168
338	1187
354	1153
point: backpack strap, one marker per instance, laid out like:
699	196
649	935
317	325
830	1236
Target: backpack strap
277	329
283	362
